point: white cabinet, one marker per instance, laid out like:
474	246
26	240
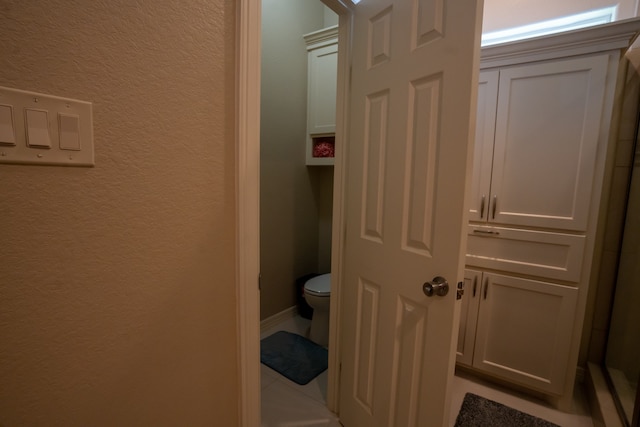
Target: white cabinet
538	128
518	329
545	118
322	52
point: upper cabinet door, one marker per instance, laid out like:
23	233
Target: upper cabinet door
322	81
547	130
483	147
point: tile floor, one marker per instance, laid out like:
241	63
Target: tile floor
285	403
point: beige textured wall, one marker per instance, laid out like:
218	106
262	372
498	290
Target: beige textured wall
325	218
502	14
117	286
330	17
288	193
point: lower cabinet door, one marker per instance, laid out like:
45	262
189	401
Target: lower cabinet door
468	316
524	331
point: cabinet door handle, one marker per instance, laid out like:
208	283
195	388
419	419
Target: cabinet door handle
486	287
475	285
482	207
490	232
495	202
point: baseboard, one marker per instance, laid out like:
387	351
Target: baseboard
581	375
277	318
553	400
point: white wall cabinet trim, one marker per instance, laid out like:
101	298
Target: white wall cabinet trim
614	36
322	48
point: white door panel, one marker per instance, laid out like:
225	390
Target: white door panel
414	80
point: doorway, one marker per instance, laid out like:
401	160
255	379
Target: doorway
295	198
296	209
248	204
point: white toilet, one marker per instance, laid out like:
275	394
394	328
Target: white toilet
317	291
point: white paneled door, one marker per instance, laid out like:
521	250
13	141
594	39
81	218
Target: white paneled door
413	104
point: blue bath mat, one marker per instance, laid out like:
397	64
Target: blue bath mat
476	411
293	356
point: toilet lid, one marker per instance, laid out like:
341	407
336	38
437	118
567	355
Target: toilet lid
319	285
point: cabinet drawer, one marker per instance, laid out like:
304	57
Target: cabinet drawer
538	253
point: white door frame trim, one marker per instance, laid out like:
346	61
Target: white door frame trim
248	21
339	217
247	127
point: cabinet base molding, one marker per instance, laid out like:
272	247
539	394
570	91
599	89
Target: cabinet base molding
515	389
467	372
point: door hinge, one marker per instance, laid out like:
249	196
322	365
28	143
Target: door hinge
260	281
344	237
460	290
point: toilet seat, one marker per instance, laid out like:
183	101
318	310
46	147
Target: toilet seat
319	286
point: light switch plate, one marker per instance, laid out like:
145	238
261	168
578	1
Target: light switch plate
7	130
71	139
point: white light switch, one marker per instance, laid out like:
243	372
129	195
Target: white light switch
38	129
7	132
69	129
44	129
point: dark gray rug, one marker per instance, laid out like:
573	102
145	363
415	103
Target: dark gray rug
477	411
293	356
